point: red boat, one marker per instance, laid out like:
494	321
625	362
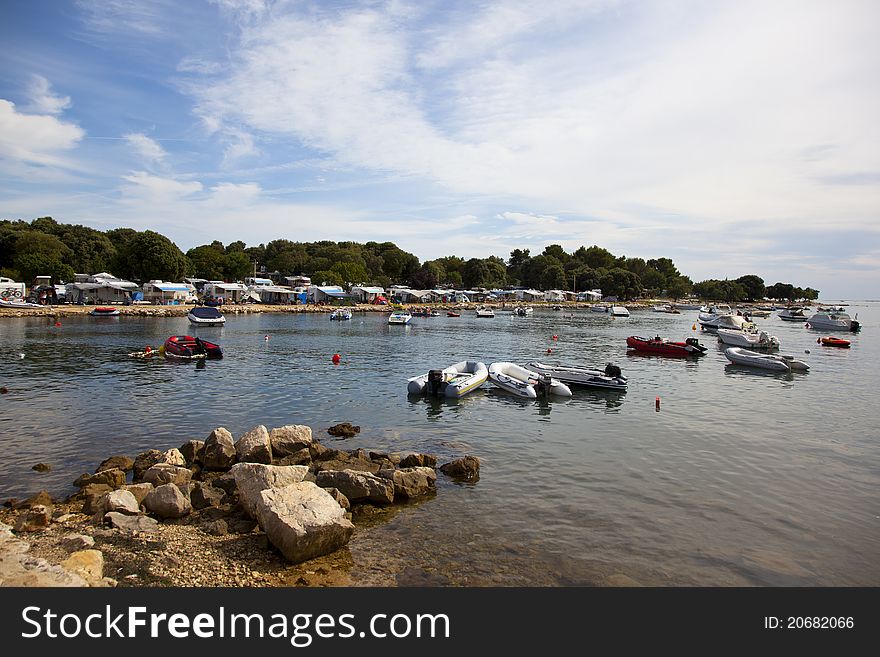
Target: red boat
831	341
452	313
190	348
661	347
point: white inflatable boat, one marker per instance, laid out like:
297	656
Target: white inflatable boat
454	381
779	363
525	383
610	378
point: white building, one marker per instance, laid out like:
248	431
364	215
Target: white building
590	295
228	292
163	292
366	293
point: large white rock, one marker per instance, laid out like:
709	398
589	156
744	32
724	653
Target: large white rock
358	486
167	501
173	457
411	482
164	473
253	478
254	447
290	439
219	452
303	521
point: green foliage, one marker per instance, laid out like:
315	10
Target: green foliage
753	286
151	256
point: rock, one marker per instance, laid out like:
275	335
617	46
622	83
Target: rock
241	525
226	482
192	451
35	519
466	468
290	439
317	450
41	467
204	496
341	499
254	446
122	501
301	457
215	527
90	495
219	452
411	482
382	459
139	491
167	501
42	497
164	473
114	477
418	460
119	462
359	455
132	523
172	456
251	478
358	486
344	430
351	464
303	521
64	517
144	461
74	542
88	564
19	569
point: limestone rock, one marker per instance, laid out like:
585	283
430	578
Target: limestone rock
358	486
411	482
144	461
219	452
122	501
418	460
173	456
19	569
35	519
226	482
88	564
303	521
42	497
167	501
139	491
251	478
317	450
114	477
344	430
74	542
192	451
341	499
350	464
41	467
132	523
120	462
254	446
204	496
289	439
164	473
301	457
466	468
90	494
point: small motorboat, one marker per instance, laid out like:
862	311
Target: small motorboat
399	317
485	312
794	314
454	381
757	312
610	378
599	308
424	312
660	347
6	303
187	347
104	311
340	315
452	313
523	311
524	382
747	339
619	311
205	316
831	341
833	319
778	363
666	309
736	322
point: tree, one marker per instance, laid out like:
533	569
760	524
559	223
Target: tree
753	286
427	277
731	291
596	257
151	256
236	266
781	291
207	262
475	274
553	277
679	287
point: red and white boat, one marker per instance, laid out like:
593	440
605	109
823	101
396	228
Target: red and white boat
186	347
104	311
831	341
660	347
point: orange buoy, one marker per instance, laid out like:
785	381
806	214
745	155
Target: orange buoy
336	358
694	327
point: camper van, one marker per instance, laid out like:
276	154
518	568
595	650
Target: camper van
10	290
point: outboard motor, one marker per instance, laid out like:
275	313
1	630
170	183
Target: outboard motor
542	387
612	370
854	325
435	382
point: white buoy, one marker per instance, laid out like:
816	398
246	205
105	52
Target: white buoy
21	355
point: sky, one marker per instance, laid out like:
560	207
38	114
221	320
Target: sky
735	137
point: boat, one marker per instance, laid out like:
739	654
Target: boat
341	315
619	311
757	312
719	309
666	309
187	347
399	317
485	312
748	339
454	381
6	303
452	313
610	378
686	306
205	316
831	341
523	311
735	322
599	308
660	347
524	382
831	320
104	311
793	315
778	363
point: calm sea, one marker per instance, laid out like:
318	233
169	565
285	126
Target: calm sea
743	477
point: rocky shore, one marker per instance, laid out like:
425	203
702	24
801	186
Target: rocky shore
273	508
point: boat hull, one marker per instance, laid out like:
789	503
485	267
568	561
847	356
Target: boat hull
523	382
761	340
581	376
457	380
690	347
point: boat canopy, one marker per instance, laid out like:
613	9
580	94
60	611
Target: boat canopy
206	312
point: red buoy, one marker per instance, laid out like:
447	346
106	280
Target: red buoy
336	358
657	403
57	324
549	351
555	337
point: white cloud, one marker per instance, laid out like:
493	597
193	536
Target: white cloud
32	139
145	186
149	150
524	218
232	194
42	100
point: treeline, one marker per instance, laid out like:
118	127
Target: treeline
46	247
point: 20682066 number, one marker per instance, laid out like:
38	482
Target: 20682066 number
809	622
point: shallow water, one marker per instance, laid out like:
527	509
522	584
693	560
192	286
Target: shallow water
743	477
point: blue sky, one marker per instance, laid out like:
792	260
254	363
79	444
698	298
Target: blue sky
734	137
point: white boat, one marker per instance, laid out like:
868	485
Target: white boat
610	378
749	339
104	311
793	315
6	303
399	317
687	306
666	309
619	311
735	322
833	320
341	314
485	312
599	308
523	311
205	316
756	312
454	381
524	382
708	313
740	356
